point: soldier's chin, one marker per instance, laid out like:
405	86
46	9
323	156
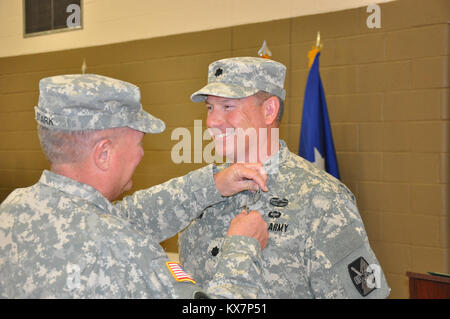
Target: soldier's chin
128	186
225	151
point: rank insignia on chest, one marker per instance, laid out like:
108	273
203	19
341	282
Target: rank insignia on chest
363	277
178	272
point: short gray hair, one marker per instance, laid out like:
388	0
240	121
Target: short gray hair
262	96
63	147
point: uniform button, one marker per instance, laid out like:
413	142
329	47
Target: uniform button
215	251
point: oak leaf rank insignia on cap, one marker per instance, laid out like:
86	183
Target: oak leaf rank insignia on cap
219	72
241	77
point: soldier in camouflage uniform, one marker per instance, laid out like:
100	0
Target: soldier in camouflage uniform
64	238
318	247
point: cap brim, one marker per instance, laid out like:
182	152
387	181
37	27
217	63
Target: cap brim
223	90
147	123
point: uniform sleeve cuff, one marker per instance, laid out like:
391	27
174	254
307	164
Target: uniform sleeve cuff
241	245
204	187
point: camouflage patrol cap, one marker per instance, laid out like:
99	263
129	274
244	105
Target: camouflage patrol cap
241	77
77	102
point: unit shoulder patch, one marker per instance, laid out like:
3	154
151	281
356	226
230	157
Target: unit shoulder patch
362	276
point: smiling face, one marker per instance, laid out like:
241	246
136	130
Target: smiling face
239	127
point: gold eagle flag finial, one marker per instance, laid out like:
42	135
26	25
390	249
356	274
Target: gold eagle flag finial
264	52
315	49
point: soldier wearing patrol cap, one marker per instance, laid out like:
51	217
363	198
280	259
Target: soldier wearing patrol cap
318	247
64	238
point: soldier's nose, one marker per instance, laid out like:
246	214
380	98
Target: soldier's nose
214	120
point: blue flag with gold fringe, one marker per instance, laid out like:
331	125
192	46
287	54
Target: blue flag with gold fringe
316	140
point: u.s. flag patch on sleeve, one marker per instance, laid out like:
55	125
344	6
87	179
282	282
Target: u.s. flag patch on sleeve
178	272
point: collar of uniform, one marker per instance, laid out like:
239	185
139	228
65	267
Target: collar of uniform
276	159
77	189
271	166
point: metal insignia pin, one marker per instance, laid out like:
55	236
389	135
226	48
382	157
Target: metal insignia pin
274	214
276	201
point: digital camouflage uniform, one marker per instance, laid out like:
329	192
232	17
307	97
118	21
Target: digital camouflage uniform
63	239
318	247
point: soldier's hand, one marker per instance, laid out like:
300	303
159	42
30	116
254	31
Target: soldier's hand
239	177
250	224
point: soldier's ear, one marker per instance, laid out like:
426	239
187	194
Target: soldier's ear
271	107
102	154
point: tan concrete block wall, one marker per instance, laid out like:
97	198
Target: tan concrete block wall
387	91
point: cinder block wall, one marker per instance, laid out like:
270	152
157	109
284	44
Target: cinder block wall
387	91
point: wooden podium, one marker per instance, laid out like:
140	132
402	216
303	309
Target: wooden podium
424	286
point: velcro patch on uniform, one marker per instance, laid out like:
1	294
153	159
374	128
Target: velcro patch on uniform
342	245
178	272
